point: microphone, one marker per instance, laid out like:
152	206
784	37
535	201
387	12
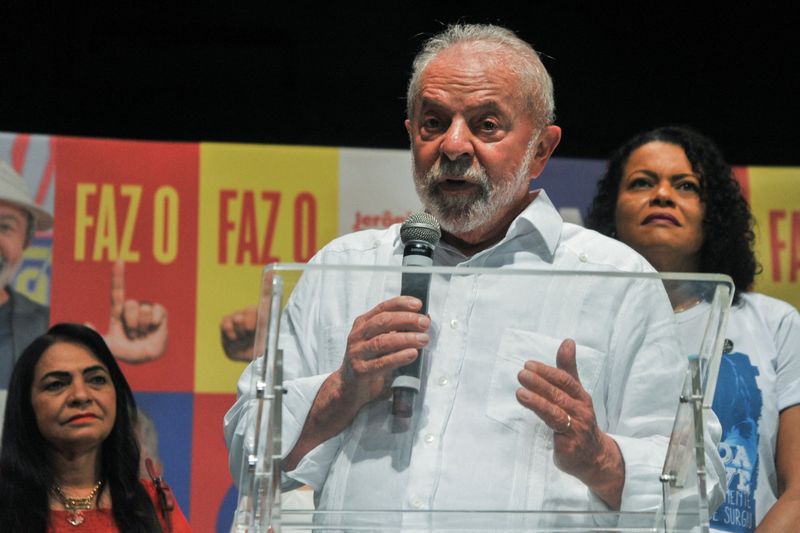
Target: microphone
420	234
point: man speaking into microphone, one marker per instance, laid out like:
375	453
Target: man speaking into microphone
582	427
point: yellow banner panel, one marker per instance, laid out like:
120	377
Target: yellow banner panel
775	201
258	205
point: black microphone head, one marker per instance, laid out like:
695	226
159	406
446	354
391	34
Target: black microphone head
421	226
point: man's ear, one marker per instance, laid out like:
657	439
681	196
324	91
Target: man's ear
543	149
408	127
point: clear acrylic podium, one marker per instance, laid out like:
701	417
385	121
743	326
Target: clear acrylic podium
687	312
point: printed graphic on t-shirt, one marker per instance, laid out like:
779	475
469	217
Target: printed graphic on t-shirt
737	403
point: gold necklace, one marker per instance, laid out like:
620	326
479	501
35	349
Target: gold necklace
76	506
685	306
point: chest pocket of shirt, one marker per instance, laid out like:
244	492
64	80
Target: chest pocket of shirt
518	346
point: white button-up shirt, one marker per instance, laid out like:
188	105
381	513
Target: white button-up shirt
470	444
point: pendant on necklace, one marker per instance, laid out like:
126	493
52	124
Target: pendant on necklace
76	506
75	518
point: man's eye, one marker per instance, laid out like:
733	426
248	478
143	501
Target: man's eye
431	123
488	125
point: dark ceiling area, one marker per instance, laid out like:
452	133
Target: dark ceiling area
249	71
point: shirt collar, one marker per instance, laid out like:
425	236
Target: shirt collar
539	221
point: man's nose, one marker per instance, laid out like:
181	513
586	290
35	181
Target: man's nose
457	141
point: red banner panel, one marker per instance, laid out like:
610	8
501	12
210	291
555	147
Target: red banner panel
126	253
742	176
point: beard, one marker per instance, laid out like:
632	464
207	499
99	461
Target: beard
464	212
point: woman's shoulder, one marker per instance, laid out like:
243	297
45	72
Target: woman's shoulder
765	306
777	319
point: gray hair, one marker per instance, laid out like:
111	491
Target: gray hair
148	435
535	85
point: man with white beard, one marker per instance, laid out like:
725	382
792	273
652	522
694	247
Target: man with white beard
554	430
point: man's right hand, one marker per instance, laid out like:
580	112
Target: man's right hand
383	339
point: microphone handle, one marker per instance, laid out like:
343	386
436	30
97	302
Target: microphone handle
406	383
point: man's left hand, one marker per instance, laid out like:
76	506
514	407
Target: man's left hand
580	448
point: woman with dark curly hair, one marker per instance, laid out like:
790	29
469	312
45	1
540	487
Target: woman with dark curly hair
669	194
70	459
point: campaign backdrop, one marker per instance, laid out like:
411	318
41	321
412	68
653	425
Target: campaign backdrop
189	226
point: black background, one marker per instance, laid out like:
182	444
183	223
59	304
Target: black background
250	71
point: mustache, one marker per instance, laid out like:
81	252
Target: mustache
460	168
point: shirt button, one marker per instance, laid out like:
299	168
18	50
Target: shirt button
583	258
443	381
429	438
454	323
416	503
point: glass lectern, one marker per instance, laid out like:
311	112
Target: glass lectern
471	457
